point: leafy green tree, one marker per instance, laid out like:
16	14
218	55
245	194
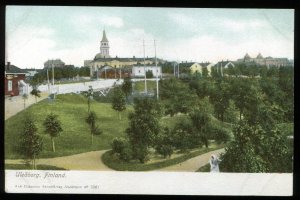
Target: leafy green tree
255	149
89	95
91	121
241	154
164	143
201	122
118	101
176	96
52	127
149	74
121	147
185	136
31	143
220	96
36	93
25	97
143	127
127	86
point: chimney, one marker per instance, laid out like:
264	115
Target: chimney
8	65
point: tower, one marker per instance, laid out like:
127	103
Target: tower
104	46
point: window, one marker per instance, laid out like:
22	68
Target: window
9	83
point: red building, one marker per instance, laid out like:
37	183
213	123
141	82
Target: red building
14	80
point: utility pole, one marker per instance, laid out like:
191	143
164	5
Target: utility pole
48	81
178	69
157	96
105	71
52	73
145	68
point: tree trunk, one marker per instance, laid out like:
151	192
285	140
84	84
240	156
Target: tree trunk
88	105
240	115
32	163
34	166
24	104
206	143
92	138
120	116
35	99
53	144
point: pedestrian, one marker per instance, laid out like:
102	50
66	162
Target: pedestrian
214	164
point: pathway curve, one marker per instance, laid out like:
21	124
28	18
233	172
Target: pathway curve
92	161
83	161
193	164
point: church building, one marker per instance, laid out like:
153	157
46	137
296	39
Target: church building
103	59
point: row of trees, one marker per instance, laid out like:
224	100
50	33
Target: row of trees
66	72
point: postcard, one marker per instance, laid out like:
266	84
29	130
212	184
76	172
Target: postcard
140	100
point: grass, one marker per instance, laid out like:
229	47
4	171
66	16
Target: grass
28	167
139	86
75	138
115	163
205	168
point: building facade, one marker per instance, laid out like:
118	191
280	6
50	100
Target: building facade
53	63
14	81
267	61
140	70
105	59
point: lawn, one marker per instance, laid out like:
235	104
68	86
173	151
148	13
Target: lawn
75	138
139	86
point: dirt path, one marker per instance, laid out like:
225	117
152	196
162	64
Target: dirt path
16	104
84	161
192	164
92	161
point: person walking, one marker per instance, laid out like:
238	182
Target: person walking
214	164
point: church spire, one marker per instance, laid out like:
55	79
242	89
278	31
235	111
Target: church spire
104	38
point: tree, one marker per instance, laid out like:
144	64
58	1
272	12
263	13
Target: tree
31	143
149	74
89	95
52	127
201	122
220	97
143	127
25	97
176	96
118	101
164	143
36	93
91	120
127	86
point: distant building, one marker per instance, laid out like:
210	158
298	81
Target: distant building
198	67
104	59
267	61
53	63
140	70
15	80
224	64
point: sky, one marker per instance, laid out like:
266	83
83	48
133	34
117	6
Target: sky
35	34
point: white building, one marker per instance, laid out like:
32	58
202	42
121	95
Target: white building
139	70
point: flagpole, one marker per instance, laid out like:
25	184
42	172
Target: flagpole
157	96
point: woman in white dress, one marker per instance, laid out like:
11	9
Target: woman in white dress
214	164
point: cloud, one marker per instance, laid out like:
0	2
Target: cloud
116	22
242	25
29	46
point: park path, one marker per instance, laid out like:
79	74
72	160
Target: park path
15	104
193	164
83	161
92	161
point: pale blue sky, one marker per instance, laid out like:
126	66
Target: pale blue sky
37	33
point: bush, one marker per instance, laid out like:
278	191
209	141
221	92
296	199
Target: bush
164	143
121	147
